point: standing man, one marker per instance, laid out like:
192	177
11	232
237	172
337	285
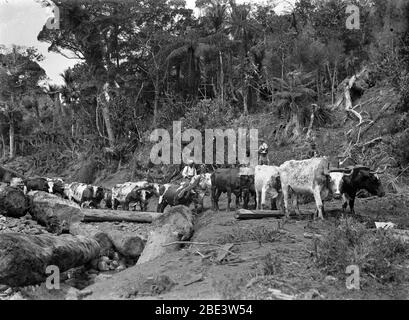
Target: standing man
313	153
263	151
189	171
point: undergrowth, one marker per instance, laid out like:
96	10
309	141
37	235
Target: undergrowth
377	253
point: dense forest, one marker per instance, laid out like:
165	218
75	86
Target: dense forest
146	63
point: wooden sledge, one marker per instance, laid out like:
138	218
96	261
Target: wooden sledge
106	215
243	214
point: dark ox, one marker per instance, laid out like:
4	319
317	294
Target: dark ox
36	184
356	179
106	202
232	180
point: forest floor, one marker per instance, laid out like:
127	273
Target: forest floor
264	261
204	272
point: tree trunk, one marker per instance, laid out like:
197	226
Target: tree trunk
310	126
24	258
102	215
13	202
90	231
11	135
4	147
176	224
55	213
156	99
58	108
106	115
221	78
126	243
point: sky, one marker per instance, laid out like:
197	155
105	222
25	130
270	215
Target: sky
22	20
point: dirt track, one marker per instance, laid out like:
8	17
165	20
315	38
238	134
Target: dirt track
197	272
260	259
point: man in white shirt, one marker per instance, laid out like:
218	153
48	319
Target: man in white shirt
189	171
263	150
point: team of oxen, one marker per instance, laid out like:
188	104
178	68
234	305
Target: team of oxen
290	180
293	179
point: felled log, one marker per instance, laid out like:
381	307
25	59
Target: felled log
103	215
90	231
13	202
243	214
55	213
25	258
174	225
6	175
128	244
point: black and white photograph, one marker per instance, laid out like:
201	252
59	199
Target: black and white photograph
204	155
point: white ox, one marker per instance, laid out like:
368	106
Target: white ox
305	177
266	180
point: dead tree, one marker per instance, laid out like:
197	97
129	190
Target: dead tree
25	259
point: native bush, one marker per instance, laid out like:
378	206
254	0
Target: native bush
377	253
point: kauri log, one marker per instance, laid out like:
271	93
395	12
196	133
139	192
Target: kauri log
128	244
174	225
55	213
24	258
104	215
90	231
13	202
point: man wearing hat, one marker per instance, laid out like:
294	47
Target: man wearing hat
189	171
262	151
313	153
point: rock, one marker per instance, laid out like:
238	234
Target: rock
121	267
313	294
103	266
84	293
102	277
17	296
330	279
72	294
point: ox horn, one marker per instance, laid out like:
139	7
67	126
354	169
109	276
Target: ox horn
380	171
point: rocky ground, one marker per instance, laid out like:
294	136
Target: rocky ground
228	259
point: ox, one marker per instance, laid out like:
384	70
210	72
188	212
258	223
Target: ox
347	182
17	183
232	180
266	180
125	193
80	193
184	193
55	186
305	177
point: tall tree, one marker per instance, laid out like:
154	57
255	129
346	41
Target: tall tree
20	75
